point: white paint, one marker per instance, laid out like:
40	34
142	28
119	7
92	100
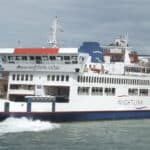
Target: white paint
68	50
6	50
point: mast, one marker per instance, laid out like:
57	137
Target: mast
126	57
55	28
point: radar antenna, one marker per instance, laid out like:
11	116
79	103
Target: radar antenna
55	28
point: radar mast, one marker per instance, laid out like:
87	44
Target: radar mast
54	28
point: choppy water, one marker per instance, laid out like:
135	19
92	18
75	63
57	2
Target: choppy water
23	134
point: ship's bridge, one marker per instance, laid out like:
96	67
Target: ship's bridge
42	59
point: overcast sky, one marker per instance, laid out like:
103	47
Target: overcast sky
82	20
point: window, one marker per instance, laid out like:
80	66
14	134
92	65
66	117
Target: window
92	79
83	90
89	79
110	91
59	58
13	77
18	57
10	58
78	79
22	77
18	77
113	91
143	92
39	86
66	58
12	86
52	58
31	77
81	79
48	78
44	58
74	59
53	77
132	92
4	59
105	80
97	91
31	57
100	80
24	57
38	59
62	77
57	78
26	77
86	79
67	78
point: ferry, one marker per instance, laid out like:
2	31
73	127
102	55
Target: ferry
92	82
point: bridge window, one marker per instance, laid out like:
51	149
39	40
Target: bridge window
52	57
24	57
45	58
74	59
66	57
18	58
59	58
38	59
31	57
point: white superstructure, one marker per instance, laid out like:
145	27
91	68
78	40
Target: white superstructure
87	83
119	81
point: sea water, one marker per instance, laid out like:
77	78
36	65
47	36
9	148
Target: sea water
25	134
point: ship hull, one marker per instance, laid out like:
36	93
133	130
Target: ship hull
78	116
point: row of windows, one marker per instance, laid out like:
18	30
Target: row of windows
89	79
28	77
22	77
140	92
110	91
99	91
40	59
57	77
22	87
96	91
137	69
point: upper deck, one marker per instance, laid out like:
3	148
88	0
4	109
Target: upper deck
42	59
116	58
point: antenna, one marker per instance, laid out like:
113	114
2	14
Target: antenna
19	43
55	28
126	36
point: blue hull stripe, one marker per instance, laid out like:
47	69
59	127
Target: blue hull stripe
79	116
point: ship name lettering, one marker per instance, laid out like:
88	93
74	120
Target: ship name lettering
38	67
130	102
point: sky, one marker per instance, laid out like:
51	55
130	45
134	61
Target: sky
29	22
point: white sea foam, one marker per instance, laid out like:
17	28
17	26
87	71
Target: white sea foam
14	125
